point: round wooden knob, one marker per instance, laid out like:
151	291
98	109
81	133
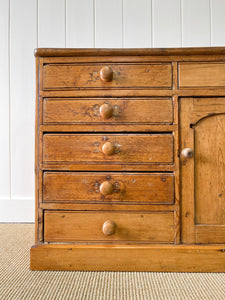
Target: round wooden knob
106	73
106	111
108	148
106	188
109	227
187	153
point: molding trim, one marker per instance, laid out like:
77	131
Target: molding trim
129	51
153	258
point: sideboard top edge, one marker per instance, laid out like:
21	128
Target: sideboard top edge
40	52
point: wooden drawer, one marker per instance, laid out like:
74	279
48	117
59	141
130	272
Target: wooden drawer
70	76
72	226
108	187
110	148
65	111
201	75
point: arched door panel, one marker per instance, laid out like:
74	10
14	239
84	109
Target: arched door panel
202	124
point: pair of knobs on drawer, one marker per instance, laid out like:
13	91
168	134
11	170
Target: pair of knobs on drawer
106	110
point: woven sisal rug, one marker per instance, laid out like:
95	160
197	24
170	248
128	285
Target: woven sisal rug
18	282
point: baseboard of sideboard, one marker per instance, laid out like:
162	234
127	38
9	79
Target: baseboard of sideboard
155	258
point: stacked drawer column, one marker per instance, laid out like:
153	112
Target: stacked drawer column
107	151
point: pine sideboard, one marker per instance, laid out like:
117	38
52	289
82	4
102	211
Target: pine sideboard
130	160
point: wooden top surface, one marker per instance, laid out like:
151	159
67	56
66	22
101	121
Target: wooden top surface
138	51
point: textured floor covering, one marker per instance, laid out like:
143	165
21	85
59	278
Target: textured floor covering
18	282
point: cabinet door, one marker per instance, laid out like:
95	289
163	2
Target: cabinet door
202	155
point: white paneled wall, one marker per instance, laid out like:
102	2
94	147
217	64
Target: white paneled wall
27	24
217	13
4	107
137	24
51	23
109	23
80	26
196	21
166	23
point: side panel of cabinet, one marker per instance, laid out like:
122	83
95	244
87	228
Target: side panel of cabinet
202	125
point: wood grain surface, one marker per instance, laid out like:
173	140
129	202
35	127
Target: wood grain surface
155	258
73	110
127	187
189	51
124	75
210	170
70	226
210	234
129	148
202	74
203	175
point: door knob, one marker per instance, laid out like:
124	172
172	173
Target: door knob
187	153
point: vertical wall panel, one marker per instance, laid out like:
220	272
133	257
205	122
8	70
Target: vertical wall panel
218	22
108	24
166	23
196	23
79	24
51	23
4	101
137	23
23	40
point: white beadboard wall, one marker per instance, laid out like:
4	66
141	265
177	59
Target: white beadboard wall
27	24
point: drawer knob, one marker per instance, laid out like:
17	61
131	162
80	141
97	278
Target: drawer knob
109	227
106	73
187	153
108	148
106	111
106	188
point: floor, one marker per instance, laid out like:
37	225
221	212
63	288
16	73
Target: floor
18	282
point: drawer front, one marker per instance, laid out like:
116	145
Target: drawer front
201	75
74	226
117	111
108	187
122	76
110	148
